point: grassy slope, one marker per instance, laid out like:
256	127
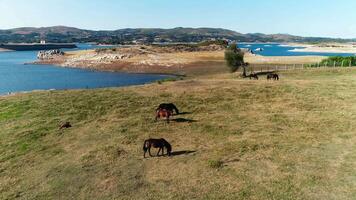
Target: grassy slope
293	139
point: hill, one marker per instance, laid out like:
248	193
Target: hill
237	139
62	34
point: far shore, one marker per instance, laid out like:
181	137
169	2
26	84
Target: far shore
4	50
323	48
164	60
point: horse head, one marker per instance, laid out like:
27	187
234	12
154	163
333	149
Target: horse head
168	147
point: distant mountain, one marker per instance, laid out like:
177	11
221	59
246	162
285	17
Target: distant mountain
63	34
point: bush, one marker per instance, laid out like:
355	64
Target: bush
234	58
214	42
102	50
172	79
338	61
215	164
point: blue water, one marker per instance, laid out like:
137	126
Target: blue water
17	77
278	50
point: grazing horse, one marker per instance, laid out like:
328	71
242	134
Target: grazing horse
253	76
156	143
163	113
65	125
273	76
168	106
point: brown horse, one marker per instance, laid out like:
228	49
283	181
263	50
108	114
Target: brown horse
156	143
168	106
163	113
253	76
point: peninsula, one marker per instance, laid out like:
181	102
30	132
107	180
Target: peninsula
172	59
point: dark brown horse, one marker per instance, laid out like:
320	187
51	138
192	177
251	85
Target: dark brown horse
253	76
156	143
163	113
168	106
272	77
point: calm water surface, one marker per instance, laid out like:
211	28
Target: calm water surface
17	77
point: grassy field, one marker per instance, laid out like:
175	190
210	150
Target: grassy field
238	139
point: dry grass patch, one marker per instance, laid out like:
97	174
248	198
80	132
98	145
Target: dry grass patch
242	139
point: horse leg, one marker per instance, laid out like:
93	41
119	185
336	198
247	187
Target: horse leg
168	119
149	151
159	151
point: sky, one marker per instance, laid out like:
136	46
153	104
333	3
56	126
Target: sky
318	18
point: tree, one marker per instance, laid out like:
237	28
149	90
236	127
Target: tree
234	58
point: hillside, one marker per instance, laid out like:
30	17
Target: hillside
64	34
237	139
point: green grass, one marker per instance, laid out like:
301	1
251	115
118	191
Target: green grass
292	139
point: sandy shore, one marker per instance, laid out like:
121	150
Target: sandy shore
257	59
148	59
324	48
4	50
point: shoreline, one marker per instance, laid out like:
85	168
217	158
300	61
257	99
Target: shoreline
323	48
107	70
5	50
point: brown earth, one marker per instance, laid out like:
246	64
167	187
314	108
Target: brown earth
183	60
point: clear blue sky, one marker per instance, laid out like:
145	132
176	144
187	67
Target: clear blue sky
332	18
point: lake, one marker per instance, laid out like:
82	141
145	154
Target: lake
17	77
282	50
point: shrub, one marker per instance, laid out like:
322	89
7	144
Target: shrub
338	61
234	58
215	164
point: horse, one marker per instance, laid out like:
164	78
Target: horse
273	76
163	113
65	125
253	76
168	106
156	143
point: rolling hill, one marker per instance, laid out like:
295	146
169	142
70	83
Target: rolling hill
64	34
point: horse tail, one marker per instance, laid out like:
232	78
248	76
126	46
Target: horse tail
145	146
157	114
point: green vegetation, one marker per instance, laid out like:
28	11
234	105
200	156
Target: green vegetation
295	140
215	164
337	61
234	58
170	79
216	42
104	50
